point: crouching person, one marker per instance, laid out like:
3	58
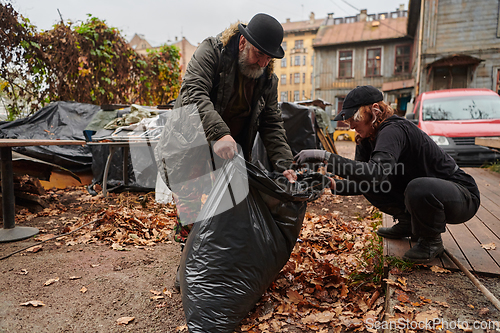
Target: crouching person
402	172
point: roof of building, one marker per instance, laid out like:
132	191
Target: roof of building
306	25
346	33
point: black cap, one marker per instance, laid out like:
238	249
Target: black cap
265	33
359	96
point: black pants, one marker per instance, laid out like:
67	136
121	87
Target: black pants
430	203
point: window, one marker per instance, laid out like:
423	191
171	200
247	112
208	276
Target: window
283	62
283	79
299	44
402	62
373	62
303	94
303	77
498	81
284	96
312	60
283	45
345	64
296	78
304	61
296	95
297	60
291	78
291	61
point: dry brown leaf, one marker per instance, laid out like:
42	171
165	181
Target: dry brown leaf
44	237
446	305
325	316
154	298
402	280
124	320
83	290
484	311
167	292
155	292
425	300
34	249
50	281
264	326
429	315
404	298
437	269
33	303
294	296
181	328
470	306
344	291
489	246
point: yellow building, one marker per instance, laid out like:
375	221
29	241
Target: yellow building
295	70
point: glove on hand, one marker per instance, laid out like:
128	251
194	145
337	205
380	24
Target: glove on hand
318	181
311	156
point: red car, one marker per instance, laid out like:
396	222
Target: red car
454	118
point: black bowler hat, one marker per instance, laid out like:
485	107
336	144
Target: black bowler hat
265	33
359	96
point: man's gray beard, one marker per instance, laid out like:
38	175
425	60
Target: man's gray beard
251	71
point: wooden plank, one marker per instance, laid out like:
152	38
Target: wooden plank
490	206
492	142
451	245
475	254
393	247
491	221
34	142
484	236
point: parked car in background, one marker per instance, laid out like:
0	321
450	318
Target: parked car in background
453	118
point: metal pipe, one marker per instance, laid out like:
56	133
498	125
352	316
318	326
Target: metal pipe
474	280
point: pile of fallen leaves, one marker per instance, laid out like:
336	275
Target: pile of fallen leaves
314	291
133	219
128	218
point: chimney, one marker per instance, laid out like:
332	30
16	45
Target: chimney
311	18
362	15
401	7
329	19
176	38
288	20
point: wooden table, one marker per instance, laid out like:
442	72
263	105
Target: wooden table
113	146
10	232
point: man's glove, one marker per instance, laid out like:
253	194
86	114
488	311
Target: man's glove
311	156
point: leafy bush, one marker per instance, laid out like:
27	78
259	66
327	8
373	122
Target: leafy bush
87	63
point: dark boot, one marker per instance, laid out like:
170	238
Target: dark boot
426	250
177	281
401	229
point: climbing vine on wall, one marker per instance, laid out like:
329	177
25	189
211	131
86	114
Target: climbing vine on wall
88	63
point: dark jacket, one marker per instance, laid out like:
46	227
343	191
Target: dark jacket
208	83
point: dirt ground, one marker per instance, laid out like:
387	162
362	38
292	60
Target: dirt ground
88	287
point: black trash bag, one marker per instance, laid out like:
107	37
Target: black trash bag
234	254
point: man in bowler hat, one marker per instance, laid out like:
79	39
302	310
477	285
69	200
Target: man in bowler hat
230	79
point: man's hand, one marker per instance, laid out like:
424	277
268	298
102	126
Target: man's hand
311	156
226	147
290	175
